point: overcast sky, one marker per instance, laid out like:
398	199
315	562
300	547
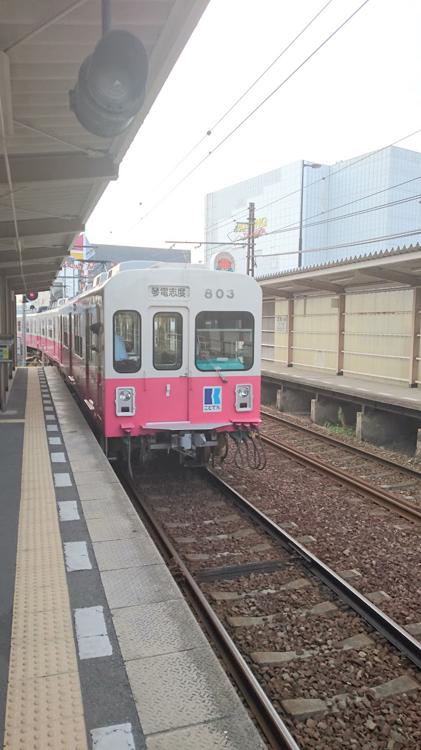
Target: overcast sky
359	93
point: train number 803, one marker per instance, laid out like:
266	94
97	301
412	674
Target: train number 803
219	293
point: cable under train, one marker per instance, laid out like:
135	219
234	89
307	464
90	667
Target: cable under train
164	357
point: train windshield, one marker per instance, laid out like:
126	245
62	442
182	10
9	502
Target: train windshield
224	340
126	341
167	341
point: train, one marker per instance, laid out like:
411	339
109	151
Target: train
164	357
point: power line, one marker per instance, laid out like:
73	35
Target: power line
354	243
398	201
352	163
203	242
253	111
244	94
294	226
275	90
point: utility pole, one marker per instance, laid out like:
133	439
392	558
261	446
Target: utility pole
311	165
300	235
250	241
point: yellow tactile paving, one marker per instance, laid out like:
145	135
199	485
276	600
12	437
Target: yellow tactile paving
44	702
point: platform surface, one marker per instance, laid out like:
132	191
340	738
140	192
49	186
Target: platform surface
363	388
98	649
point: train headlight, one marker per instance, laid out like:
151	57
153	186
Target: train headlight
125	402
243	397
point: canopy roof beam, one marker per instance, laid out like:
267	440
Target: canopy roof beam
58	167
31	254
33	227
389	274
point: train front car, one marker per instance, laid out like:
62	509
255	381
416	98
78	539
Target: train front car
183	371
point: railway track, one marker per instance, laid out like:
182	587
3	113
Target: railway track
404	507
327	438
263	564
272	726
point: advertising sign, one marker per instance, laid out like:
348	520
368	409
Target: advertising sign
223	261
5	349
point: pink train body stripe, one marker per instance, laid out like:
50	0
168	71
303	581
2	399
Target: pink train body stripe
172	400
158	400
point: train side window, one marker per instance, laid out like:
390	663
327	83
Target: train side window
65	331
77	335
126	341
167	341
224	340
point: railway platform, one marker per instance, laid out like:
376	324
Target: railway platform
379	412
98	648
347	386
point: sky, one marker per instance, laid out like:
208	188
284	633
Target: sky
360	92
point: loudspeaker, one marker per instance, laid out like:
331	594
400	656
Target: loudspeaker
111	85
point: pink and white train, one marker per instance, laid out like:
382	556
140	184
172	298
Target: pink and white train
165	357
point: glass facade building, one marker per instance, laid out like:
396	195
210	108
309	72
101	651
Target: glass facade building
362	205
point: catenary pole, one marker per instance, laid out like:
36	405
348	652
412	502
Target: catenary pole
250	240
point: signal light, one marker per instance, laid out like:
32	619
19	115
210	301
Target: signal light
30	297
111	85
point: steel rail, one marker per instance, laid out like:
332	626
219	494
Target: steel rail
263	711
340	443
402	507
383	624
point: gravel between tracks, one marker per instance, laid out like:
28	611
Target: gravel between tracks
344	529
204	529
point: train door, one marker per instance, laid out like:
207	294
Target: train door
70	345
88	354
170	358
94	356
60	347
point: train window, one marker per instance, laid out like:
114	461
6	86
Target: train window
167	341
78	340
65	325
126	347
224	340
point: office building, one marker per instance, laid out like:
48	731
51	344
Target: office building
353	207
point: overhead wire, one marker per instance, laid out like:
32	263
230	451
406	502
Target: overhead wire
244	94
294	226
351	163
253	112
354	243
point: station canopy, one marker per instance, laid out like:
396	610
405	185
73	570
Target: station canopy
58	169
400	267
